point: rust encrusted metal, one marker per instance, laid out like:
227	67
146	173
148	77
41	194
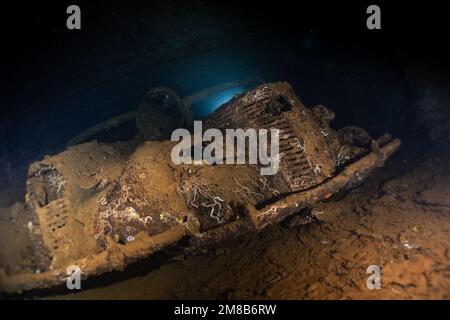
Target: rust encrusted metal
306	159
351	176
104	210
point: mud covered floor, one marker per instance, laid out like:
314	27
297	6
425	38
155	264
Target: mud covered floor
399	220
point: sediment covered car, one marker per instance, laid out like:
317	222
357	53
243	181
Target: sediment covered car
103	206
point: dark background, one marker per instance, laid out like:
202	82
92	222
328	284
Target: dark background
58	82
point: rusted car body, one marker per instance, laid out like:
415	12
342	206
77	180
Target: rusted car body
103	206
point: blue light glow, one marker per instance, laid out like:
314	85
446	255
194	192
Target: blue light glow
209	105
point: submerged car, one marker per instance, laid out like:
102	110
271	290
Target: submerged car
102	206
